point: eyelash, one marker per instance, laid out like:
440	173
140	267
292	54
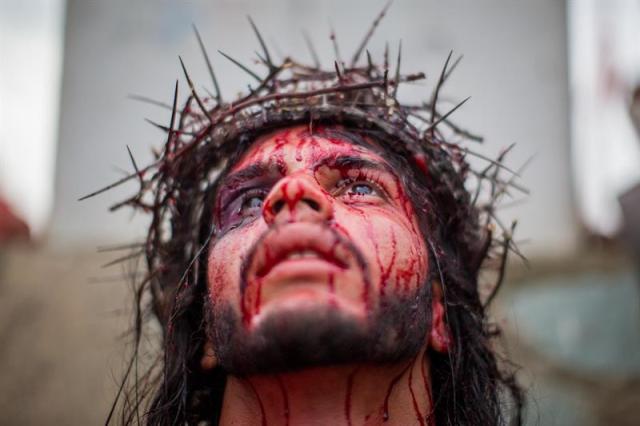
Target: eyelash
362	177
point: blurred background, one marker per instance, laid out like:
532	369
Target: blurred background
556	77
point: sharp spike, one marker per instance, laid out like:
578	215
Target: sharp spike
386	56
370	65
338	73
216	87
157	125
453	67
241	66
267	56
312	49
397	77
165	128
193	91
135	165
147	100
436	91
367	36
131	176
108	187
174	109
445	116
334	42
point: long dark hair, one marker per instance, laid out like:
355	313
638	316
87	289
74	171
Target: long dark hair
454	202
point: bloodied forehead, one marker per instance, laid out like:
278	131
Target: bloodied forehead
287	150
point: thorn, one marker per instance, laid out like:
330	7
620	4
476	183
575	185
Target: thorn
336	50
193	91
135	165
453	67
216	87
173	114
241	66
386	56
147	100
397	77
434	97
367	37
370	66
445	116
386	81
312	49
262	43
158	125
338	73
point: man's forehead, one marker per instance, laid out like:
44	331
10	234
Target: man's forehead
298	147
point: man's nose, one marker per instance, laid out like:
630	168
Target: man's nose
297	198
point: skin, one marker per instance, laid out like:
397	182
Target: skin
305	190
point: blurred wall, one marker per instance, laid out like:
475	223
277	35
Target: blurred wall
514	67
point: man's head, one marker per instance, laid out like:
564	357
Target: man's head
319	257
318	221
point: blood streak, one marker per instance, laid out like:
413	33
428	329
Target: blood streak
427	387
384	275
413	396
347	401
262	412
385	406
285	400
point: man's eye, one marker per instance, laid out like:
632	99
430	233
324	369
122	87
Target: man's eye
251	203
361	188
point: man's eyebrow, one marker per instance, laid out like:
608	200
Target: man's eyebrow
355	162
250	172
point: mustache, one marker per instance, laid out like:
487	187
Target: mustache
340	239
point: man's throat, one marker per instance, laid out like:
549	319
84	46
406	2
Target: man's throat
363	394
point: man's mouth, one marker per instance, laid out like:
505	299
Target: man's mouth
301	264
287	253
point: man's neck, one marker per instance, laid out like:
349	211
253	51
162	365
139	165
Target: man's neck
397	394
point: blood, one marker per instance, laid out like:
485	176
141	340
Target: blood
421	162
262	412
427	387
347	401
407	273
384	275
385	406
285	400
413	396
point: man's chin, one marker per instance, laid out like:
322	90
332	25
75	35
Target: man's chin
311	302
293	336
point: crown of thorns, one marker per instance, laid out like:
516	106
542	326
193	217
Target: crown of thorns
207	130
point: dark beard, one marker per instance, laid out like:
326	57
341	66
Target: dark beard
291	340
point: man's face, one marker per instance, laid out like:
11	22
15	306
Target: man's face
318	252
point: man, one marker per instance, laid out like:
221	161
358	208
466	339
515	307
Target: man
313	258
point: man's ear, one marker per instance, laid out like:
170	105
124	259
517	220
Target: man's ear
209	360
439	335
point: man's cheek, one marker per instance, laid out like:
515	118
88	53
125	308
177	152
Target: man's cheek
225	262
395	254
226	258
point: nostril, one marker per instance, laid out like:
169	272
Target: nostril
312	203
277	206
